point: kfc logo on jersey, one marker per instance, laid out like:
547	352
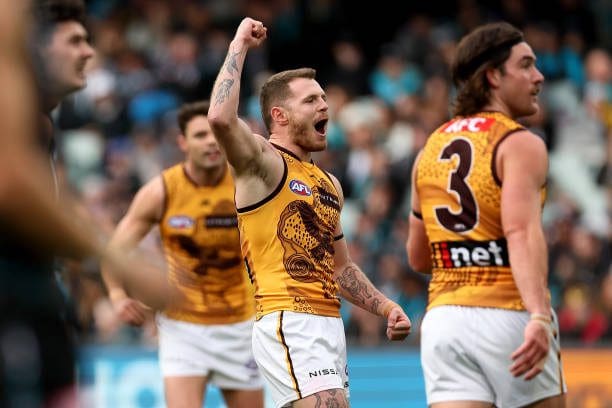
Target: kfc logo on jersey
469	125
181	222
300	188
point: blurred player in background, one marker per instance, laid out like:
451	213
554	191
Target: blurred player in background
208	337
37	356
490	336
289	220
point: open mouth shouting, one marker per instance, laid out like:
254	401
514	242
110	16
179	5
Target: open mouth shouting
321	127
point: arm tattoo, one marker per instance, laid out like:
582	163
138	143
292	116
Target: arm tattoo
223	91
351	281
230	64
375	305
329	399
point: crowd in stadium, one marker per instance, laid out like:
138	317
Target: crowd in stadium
388	88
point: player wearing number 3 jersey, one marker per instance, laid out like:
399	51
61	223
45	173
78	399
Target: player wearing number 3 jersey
490	337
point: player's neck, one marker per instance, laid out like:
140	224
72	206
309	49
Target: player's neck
496	105
205	177
48	103
286	144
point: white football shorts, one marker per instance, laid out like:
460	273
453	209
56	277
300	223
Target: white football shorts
465	354
220	352
300	354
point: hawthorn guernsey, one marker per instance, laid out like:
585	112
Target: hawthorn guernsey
469	253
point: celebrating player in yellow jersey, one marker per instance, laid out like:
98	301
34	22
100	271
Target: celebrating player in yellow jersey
207	337
288	215
477	196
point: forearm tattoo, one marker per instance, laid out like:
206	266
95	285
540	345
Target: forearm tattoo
375	305
230	64
223	91
351	280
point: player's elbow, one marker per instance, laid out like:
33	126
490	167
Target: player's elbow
219	121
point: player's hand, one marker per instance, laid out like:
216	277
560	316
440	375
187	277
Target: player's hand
251	32
131	311
398	324
530	357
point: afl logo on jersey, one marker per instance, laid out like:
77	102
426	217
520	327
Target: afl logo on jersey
299	188
181	221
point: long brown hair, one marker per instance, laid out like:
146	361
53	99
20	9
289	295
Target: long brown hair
488	46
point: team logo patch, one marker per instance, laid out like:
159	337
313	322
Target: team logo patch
300	188
181	221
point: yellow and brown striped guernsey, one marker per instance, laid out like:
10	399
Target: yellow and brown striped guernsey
200	238
460	196
287	240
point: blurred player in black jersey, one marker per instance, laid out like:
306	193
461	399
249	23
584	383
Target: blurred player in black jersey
37	356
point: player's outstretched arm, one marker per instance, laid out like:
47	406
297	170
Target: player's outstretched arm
242	148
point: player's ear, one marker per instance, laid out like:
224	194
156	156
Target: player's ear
181	141
493	76
279	115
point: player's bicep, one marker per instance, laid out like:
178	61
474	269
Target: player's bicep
523	164
242	147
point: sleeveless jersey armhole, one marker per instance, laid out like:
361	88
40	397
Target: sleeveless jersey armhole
271	195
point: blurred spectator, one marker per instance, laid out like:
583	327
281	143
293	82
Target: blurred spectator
348	69
579	317
393	77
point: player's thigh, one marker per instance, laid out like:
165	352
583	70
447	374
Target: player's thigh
184	391
243	398
335	397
